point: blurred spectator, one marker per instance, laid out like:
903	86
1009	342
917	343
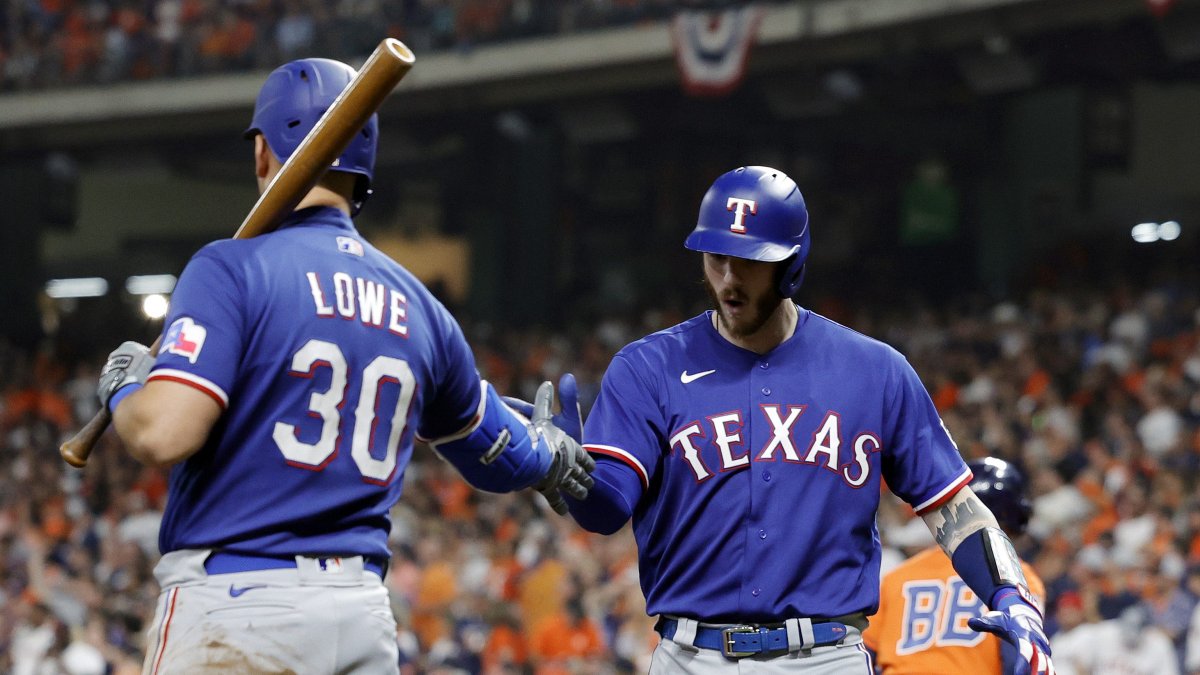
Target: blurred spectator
565	641
1128	644
57	43
1072	635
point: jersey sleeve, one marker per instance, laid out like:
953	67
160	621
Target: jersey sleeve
203	338
921	462
457	396
626	424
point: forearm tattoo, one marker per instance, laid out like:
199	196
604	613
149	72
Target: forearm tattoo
957	519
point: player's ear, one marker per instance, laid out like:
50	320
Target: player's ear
262	156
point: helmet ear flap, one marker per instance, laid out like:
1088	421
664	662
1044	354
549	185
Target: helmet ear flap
791	275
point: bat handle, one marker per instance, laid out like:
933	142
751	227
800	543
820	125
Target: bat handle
75	451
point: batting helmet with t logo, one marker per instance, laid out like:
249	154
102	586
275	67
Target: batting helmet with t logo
291	102
757	213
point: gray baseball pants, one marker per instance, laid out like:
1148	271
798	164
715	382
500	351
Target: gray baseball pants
320	618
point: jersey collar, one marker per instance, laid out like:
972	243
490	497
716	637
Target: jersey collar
788	344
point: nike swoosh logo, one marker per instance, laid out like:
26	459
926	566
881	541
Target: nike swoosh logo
234	591
686	377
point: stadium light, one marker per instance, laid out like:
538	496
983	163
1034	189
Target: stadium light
1144	233
84	287
1147	233
155	306
150	284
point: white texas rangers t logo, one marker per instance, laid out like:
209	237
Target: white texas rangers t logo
739	207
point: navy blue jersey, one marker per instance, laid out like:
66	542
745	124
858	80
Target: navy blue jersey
327	357
759	475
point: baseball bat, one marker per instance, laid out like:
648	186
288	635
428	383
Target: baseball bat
350	111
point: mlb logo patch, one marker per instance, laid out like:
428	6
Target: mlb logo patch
330	565
185	338
349	245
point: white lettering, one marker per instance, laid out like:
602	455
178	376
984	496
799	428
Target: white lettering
726	440
399	314
370	302
314	285
826	441
683	439
860	458
343	288
782	430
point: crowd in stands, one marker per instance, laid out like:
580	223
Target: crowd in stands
1095	393
53	43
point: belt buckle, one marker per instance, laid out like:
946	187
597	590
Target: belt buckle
727	640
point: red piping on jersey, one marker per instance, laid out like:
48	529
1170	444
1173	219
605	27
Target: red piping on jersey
954	489
598	450
193	385
166	629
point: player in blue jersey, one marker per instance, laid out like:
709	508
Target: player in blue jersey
748	445
295	370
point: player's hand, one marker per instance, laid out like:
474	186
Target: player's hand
128	364
570	466
570	419
1019	623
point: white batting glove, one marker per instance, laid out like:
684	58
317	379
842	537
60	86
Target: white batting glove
570	466
128	364
1018	622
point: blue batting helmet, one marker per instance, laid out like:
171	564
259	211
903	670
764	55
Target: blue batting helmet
291	102
1001	488
758	213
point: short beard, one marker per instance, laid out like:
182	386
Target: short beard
764	307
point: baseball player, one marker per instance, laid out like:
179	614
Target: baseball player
921	626
294	372
748	445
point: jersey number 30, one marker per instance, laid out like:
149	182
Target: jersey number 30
327	406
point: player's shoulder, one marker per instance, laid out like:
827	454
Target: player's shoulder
226	253
659	346
232	251
823	326
820	327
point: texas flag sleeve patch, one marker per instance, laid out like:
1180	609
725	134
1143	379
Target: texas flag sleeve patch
185	338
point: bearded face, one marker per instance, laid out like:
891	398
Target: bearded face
743	292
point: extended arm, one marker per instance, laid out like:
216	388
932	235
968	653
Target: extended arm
985	559
500	451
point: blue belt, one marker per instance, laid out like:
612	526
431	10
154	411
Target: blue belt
738	640
228	562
